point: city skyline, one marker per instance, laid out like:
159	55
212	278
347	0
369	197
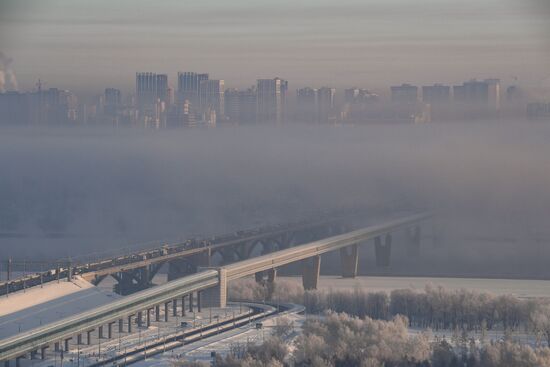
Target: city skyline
374	42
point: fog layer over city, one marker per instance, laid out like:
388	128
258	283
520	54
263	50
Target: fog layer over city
65	192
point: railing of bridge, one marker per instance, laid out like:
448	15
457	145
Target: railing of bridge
34	339
79	267
62	267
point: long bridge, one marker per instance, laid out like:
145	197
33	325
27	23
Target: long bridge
209	286
134	271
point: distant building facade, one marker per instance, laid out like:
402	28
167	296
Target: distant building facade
271	100
404	93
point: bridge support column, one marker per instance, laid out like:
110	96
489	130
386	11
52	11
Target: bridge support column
79	339
120	326
267	279
129	324
175	307
413	235
183	305
310	272
181	267
100	332
216	296
166	309
110	330
349	257
6	363
56	347
67	341
140	318
271	277
148	318
43	352
191	302
157	313
18	361
199	301
89	337
382	251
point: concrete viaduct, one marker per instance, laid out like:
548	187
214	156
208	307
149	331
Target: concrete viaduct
135	271
209	285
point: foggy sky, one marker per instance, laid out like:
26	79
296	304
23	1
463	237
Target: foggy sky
89	45
104	189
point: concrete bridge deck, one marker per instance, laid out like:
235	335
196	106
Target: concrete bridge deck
210	283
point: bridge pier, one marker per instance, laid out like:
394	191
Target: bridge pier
56	347
382	251
166	308
349	257
217	296
191	302
310	272
43	352
67	341
199	301
110	330
79	339
148	318
182	305
129	324
140	318
120	326
100	332
136	279
89	337
157	313
414	235
178	268
267	279
175	307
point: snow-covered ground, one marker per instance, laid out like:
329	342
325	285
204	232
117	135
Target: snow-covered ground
519	288
28	309
221	344
140	337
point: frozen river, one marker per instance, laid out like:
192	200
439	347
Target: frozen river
519	288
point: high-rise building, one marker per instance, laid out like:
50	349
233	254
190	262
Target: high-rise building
113	97
325	102
248	106
151	89
306	105
271	100
478	98
211	97
436	94
359	95
486	92
404	93
232	108
189	84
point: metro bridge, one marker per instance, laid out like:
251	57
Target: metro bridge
135	270
209	286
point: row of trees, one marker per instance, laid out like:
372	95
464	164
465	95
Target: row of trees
340	340
435	307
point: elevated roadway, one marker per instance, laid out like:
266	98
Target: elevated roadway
210	285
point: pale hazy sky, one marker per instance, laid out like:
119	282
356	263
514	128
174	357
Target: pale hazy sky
372	43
